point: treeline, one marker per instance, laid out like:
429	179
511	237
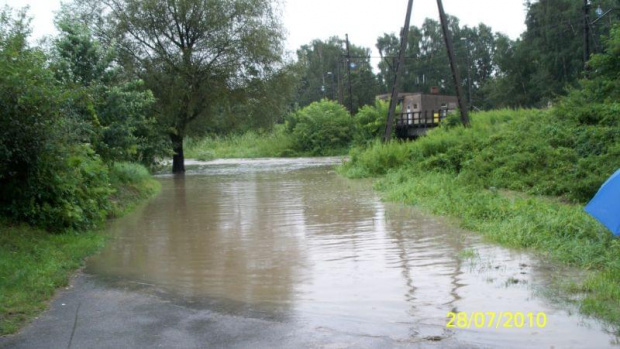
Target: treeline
496	72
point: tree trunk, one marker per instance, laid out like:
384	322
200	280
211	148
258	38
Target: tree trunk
178	159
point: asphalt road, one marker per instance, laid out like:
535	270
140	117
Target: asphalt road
92	313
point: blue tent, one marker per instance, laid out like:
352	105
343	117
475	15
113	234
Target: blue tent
605	206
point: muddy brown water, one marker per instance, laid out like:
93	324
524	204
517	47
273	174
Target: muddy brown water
290	240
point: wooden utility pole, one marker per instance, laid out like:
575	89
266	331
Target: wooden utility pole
349	73
404	35
455	72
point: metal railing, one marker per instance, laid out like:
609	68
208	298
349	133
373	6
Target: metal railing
426	118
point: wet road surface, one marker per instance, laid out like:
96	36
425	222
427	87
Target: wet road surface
285	253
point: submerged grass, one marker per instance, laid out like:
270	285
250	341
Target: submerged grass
472	175
34	262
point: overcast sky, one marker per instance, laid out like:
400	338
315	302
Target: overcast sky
363	20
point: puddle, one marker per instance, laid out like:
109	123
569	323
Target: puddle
291	239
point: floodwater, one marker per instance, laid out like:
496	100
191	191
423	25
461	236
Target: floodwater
290	240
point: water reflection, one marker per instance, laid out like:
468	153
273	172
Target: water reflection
291	237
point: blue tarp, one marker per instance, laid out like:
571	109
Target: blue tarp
605	206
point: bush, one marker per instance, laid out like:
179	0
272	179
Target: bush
370	122
322	128
377	159
68	188
48	176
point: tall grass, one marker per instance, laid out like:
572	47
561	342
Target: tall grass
562	232
132	184
461	173
248	145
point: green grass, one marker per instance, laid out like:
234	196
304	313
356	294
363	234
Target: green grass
133	184
247	145
520	178
561	232
34	262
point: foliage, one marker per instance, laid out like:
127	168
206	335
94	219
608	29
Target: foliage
561	232
33	262
47	178
251	144
548	57
58	127
258	106
222	47
325	74
322	128
131	183
527	150
117	109
370	122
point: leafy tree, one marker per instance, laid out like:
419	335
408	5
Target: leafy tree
548	58
48	177
191	53
427	64
118	108
258	105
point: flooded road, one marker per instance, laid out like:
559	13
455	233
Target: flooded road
288	240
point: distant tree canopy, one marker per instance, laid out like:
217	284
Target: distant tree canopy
549	56
324	74
427	64
529	72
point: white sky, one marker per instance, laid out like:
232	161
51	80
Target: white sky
363	20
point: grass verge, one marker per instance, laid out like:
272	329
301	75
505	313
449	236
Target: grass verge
34	262
472	175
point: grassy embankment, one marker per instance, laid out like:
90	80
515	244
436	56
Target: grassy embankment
34	262
520	178
247	145
322	128
250	145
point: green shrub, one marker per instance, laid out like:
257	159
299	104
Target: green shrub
370	122
50	175
322	128
67	189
